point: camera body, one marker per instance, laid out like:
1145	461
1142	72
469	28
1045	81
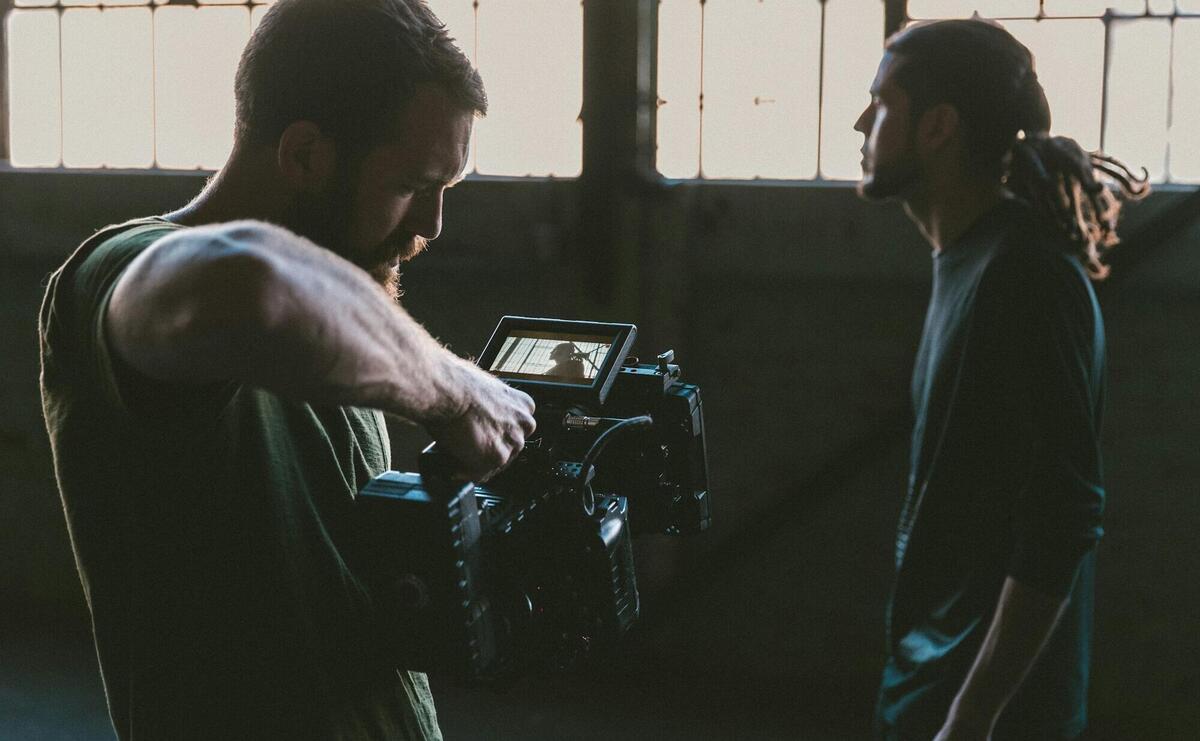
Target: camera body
534	571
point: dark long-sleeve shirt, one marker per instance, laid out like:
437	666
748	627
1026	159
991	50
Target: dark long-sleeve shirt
1005	474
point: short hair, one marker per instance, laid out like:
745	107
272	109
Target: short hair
348	66
990	78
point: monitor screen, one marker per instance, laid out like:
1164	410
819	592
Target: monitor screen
559	357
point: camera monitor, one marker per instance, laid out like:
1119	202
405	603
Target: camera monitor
578	360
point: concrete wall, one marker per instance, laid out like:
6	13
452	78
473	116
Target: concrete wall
797	310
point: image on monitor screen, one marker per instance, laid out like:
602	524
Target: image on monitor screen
552	356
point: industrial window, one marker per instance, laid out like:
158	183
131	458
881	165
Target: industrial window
771	89
135	84
123	84
1119	74
766	89
530	55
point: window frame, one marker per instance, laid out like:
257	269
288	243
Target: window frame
6	6
620	140
896	16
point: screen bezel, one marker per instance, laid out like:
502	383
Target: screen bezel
622	334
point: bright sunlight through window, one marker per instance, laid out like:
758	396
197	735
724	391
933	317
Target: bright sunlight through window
771	89
747	89
127	84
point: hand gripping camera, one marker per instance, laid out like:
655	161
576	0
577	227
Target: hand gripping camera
534	571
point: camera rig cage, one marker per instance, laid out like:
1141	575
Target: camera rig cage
535	570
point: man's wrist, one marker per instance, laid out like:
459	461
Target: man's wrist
451	398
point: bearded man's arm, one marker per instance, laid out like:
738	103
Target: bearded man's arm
256	304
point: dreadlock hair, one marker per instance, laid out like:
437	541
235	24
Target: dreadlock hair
989	77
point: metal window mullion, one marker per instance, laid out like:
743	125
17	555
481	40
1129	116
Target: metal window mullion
895	12
62	103
1170	98
821	90
5	7
475	61
700	117
1107	19
154	87
646	124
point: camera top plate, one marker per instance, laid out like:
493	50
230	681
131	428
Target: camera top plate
571	361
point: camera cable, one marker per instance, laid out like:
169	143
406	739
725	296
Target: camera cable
605	437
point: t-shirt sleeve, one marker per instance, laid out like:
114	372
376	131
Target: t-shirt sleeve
1046	349
88	290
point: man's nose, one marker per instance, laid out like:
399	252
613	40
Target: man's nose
863	124
425	215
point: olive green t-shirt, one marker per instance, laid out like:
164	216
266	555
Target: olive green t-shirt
206	523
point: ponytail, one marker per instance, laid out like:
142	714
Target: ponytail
1080	193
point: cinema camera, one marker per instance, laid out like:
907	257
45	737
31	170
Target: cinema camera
534	571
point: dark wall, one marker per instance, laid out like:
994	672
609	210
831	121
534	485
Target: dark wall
797	311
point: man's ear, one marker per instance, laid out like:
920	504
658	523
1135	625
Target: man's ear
938	127
306	157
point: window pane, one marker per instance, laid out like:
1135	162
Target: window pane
459	18
1069	55
35	3
678	153
1188	6
1185	116
761	79
256	16
966	8
853	46
1093	8
1077	8
194	93
108	117
1138	94
531	60
33	88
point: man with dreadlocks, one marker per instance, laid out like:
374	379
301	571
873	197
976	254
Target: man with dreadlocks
989	622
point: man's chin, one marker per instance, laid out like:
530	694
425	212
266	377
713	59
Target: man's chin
387	273
876	187
873	194
412	248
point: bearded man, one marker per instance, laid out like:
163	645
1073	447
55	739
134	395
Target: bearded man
214	379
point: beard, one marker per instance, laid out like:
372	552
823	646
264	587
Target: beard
890	180
384	265
324	219
894	179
